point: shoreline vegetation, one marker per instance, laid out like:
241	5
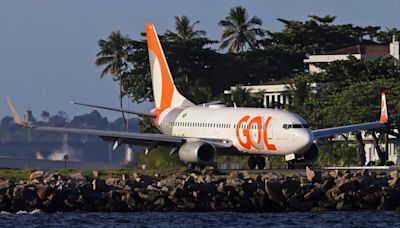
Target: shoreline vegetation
181	190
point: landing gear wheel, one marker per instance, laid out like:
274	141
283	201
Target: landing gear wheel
192	166
252	162
290	165
261	162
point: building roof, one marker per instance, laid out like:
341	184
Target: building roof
277	82
373	50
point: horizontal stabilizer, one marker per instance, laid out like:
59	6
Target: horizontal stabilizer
17	119
115	109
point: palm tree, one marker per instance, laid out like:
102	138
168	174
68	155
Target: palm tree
113	55
184	30
240	32
241	96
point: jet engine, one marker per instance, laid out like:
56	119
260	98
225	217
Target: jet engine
198	152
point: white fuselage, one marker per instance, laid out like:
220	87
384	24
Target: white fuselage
251	130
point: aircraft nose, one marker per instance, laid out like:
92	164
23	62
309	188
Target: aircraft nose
304	139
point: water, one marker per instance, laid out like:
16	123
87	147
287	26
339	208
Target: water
209	219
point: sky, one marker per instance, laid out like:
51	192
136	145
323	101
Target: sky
48	47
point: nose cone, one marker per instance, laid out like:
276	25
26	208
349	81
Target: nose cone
303	140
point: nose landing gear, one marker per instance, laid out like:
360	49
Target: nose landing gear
256	161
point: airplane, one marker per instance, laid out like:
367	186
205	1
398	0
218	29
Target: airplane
200	132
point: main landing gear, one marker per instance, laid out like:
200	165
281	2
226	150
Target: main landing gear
256	161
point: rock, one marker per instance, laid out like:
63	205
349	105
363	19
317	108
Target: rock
37	175
328	204
208	179
347	186
342	206
113	181
328	183
200	180
41	191
314	194
234	174
294	202
394	174
245	175
99	185
272	176
220	187
145	180
289	187
77	176
361	173
313	176
274	192
234	181
24	198
394	182
4	185
95	173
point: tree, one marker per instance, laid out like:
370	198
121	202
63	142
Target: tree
113	55
184	30
242	97
239	32
45	116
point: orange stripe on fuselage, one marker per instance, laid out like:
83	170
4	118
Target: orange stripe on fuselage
157	112
167	89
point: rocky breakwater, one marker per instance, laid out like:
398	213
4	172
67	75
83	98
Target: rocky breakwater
238	191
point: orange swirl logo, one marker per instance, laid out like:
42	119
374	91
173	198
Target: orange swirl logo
245	138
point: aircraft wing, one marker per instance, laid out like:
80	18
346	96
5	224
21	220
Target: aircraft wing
131	137
321	133
115	109
119	137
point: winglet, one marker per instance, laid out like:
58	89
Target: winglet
17	118
384	114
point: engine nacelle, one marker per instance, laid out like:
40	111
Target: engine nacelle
198	152
311	154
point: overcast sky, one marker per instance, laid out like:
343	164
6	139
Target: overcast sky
48	47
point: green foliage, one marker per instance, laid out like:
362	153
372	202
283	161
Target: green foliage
242	97
184	30
318	34
239	31
146	125
159	158
336	156
17	175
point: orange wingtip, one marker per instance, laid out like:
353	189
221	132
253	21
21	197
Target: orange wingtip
384	114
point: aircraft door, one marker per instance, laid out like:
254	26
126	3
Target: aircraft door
270	129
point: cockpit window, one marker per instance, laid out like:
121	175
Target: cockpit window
288	126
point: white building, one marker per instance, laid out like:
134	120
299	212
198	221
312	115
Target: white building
274	92
357	51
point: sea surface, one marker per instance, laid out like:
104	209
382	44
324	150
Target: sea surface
206	219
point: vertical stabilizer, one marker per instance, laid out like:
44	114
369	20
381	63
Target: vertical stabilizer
165	93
